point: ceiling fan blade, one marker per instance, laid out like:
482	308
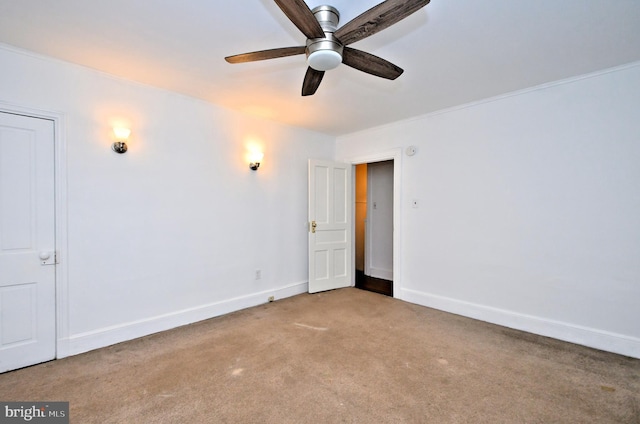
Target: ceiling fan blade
299	13
374	65
312	80
265	54
377	18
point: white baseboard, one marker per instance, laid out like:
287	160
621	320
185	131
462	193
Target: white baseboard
598	339
84	342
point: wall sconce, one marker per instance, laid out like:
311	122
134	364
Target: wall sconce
122	135
255	158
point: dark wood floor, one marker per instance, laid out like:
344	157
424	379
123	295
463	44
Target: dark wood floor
373	284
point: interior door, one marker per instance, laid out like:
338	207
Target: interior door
330	250
27	241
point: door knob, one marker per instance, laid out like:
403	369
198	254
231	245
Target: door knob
47	257
313	226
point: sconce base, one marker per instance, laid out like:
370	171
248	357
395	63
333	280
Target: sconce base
254	166
119	147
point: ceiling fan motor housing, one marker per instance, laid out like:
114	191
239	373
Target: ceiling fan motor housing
325	53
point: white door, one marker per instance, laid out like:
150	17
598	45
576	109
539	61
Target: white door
27	241
330	251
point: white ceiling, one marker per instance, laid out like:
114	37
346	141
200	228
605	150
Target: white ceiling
453	51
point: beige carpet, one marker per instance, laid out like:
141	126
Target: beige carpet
346	356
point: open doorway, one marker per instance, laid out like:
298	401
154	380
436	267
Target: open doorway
374	208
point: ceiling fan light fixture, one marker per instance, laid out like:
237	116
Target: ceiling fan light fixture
324	54
324	60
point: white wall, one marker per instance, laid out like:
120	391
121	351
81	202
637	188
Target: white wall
174	230
529	208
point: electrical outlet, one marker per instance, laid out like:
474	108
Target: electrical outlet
271	298
258	274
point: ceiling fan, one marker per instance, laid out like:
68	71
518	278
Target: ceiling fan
326	45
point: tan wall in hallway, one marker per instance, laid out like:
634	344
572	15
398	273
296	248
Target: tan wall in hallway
361	213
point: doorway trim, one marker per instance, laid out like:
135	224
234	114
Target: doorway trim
396	156
61	228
